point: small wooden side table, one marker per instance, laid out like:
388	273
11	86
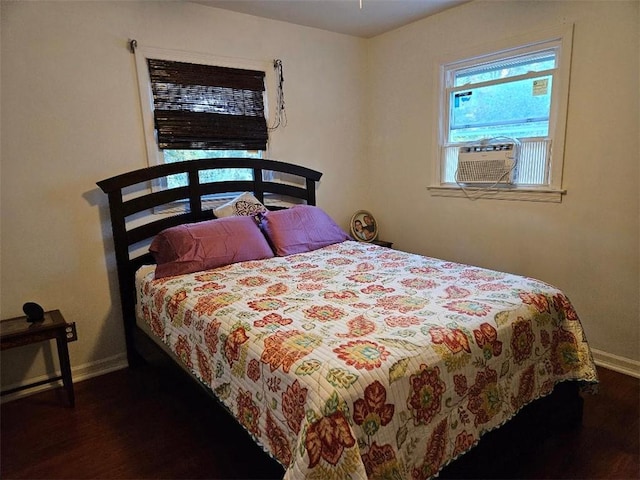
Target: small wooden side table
16	332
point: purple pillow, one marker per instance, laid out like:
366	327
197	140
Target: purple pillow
301	229
201	246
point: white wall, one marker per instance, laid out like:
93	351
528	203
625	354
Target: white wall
587	245
71	116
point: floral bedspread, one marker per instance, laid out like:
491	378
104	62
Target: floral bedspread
357	361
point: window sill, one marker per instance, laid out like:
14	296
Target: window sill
499	193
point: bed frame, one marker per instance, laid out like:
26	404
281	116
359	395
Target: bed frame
143	201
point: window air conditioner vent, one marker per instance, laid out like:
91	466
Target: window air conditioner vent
486	164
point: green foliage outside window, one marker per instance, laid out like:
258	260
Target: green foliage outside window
206	176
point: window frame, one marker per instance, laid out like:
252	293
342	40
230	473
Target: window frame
559	37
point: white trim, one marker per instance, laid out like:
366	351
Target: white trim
616	363
79	373
519	193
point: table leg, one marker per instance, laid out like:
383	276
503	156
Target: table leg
65	367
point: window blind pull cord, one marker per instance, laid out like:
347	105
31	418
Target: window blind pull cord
281	113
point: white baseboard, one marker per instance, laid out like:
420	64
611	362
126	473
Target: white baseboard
79	373
616	363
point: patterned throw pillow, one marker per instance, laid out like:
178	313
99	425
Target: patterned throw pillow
243	205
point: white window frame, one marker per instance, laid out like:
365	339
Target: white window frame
562	38
142	53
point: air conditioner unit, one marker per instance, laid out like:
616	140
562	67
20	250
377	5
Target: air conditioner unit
492	163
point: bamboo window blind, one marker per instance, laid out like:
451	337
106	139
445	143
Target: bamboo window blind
207	107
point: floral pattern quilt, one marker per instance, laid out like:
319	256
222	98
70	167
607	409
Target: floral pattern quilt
358	361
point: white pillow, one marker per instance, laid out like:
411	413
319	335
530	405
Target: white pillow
243	205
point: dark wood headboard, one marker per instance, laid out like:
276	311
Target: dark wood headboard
127	209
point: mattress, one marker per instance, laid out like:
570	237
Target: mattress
358	361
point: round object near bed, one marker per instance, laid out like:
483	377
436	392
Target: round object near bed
364	227
33	311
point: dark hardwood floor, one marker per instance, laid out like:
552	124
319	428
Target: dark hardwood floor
150	423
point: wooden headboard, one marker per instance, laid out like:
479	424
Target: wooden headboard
133	203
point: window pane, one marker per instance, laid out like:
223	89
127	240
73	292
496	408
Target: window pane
206	176
514	109
506	68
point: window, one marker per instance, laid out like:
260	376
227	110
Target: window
518	91
199	106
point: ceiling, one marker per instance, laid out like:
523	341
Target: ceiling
341	16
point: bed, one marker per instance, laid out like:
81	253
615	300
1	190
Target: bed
342	359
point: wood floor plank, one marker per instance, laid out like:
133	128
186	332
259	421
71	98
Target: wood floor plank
148	423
